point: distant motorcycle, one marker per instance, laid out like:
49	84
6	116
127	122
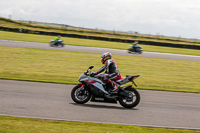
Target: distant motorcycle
59	43
93	88
135	49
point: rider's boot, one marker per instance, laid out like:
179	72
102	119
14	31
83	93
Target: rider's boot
115	88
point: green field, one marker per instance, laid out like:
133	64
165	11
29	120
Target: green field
87	32
65	67
27	125
93	43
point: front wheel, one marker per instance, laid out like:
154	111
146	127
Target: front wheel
131	101
80	95
129	50
51	44
60	44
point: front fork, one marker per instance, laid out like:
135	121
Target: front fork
82	89
82	86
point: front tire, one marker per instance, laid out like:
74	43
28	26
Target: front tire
132	101
80	95
129	50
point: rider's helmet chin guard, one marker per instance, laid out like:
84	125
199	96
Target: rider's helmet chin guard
105	56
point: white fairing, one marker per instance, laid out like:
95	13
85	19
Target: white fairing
82	76
100	86
60	40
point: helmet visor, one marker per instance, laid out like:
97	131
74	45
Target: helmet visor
102	61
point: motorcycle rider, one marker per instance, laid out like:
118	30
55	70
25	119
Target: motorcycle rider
56	39
135	45
111	69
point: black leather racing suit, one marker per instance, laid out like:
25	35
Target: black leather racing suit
111	68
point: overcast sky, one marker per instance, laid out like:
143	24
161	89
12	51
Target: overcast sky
178	18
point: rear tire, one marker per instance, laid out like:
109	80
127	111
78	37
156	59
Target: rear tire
80	96
130	102
62	44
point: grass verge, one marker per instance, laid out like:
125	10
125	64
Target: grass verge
65	67
63	29
28	125
93	43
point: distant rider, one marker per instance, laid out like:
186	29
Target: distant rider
135	45
56	39
111	69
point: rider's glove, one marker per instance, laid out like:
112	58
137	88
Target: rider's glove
105	78
93	74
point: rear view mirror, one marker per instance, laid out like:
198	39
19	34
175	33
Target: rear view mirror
91	67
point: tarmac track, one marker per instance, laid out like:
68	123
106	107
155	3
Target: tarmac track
21	44
53	101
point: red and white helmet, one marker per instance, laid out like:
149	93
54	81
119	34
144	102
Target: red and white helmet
105	56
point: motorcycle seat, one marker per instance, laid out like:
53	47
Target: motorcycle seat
127	79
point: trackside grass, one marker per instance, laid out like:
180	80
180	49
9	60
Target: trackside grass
65	67
93	43
28	125
63	29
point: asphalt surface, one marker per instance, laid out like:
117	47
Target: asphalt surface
97	50
53	101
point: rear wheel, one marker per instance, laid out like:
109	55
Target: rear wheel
80	95
131	101
62	44
59	44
